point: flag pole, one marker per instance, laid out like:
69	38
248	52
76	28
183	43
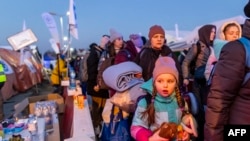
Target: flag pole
72	30
68	49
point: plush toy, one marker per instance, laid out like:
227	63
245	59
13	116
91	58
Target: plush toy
172	131
168	130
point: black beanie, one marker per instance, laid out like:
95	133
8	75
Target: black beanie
247	9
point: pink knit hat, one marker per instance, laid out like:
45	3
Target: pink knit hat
165	65
155	29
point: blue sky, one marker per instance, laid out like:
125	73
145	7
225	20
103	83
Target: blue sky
96	17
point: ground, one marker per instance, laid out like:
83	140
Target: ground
42	88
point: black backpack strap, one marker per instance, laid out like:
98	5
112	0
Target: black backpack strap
198	45
147	97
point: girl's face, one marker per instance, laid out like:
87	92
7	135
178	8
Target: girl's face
118	43
157	41
165	84
232	33
212	35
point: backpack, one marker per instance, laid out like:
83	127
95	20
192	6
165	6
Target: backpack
83	68
182	56
192	64
106	62
246	43
83	75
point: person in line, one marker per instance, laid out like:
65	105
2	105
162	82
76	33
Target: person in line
228	99
132	47
165	105
97	97
115	45
149	54
229	31
200	89
58	73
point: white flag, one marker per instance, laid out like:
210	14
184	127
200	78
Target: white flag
51	24
54	45
72	19
24	25
22	49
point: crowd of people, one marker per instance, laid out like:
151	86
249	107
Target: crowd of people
219	72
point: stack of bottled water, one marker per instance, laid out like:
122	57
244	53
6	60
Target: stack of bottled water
33	127
72	81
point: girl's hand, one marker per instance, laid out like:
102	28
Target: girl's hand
156	137
96	88
185	82
189	124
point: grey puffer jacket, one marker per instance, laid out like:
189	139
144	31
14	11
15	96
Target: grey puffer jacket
228	100
192	53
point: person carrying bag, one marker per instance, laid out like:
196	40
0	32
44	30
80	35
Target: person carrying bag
118	129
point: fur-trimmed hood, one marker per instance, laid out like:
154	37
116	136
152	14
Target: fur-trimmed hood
221	33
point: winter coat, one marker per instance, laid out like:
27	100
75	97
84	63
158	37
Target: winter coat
228	100
199	55
166	110
92	65
62	72
148	56
201	60
218	44
122	55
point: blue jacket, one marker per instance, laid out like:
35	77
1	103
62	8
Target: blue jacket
218	44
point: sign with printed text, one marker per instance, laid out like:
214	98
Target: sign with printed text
22	39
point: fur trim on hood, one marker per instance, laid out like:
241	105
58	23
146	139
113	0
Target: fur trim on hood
221	33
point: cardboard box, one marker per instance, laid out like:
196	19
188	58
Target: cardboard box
27	106
29	103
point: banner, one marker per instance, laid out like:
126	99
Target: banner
51	24
22	39
54	45
72	19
